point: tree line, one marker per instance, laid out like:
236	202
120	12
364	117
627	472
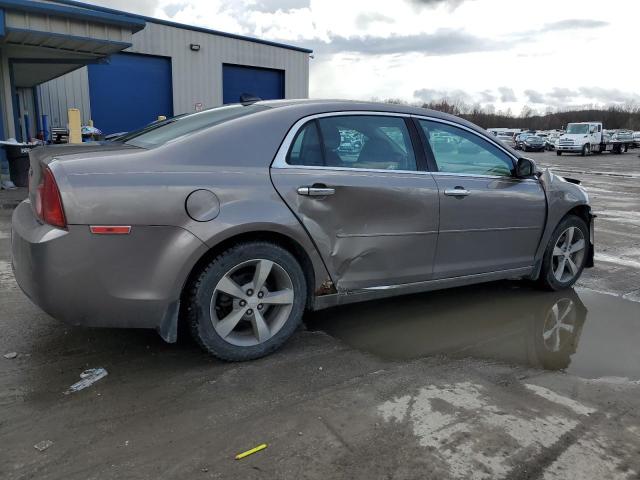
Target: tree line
613	117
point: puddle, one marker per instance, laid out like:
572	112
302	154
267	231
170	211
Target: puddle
588	334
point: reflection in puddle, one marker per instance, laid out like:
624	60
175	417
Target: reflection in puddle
586	333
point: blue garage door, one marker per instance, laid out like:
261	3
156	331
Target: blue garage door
130	91
266	83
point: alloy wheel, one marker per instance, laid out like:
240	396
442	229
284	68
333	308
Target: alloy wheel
252	302
568	254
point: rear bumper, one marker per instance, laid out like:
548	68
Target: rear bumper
123	281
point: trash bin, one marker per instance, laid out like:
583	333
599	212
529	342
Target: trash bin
18	158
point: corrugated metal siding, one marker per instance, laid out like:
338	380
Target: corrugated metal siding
196	76
66	26
68	91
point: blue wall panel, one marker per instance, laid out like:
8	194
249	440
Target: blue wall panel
130	91
266	83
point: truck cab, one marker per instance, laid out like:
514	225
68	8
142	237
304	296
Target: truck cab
581	137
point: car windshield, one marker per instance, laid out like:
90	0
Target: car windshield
159	133
577	128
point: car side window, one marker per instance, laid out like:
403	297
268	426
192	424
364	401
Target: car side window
459	151
354	141
367	141
306	149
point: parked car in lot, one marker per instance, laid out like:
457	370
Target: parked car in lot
187	221
520	138
636	139
533	143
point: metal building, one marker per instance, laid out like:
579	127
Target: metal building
124	70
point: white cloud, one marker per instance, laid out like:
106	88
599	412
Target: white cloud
549	53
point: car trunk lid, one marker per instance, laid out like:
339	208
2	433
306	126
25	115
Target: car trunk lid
41	157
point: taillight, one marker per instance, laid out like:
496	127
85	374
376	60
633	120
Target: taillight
48	201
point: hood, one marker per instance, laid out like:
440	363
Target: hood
574	135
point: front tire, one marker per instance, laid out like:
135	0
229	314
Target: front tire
558	152
565	255
247	301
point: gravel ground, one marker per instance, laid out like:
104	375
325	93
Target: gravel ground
492	381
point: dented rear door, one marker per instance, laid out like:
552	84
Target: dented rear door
373	227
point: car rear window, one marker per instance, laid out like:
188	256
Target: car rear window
159	133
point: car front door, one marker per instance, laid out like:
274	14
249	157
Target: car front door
489	220
357	184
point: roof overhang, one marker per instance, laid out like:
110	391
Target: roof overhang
52	43
30	72
78	12
44	40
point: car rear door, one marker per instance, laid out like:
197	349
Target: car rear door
489	220
357	183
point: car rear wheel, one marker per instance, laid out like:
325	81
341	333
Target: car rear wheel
247	301
565	255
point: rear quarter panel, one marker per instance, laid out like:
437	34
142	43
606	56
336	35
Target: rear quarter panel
150	187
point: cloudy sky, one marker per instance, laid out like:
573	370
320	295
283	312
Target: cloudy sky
499	53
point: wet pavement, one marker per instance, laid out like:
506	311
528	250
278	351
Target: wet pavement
490	381
589	334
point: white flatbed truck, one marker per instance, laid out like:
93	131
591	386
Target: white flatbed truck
588	138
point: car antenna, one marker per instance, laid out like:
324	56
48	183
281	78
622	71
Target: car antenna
248	98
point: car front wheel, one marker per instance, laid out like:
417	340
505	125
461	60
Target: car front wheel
247	302
565	255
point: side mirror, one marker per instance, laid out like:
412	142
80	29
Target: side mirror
525	168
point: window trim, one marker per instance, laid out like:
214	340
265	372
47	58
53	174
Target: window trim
280	160
424	149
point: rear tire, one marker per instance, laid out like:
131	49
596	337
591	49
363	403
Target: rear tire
565	255
247	301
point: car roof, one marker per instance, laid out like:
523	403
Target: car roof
331	105
307	107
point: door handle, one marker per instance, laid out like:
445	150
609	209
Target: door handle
456	192
316	191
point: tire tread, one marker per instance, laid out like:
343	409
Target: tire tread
192	316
